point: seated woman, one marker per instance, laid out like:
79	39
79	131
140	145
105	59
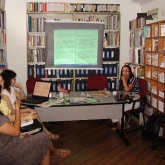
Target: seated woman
128	83
10	94
32	150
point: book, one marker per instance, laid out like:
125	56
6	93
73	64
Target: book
26	122
162	33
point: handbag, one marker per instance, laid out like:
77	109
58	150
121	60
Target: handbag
32	128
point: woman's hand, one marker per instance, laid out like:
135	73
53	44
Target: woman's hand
31	110
32	115
18	85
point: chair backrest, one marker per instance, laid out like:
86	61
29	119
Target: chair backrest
30	84
97	82
143	87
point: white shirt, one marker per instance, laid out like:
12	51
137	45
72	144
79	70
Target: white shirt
11	96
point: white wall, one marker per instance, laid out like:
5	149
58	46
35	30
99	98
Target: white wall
16	32
153	5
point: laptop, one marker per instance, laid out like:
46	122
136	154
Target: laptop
123	97
40	93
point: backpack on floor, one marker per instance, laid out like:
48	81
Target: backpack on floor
151	128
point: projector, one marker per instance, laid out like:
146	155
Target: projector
78	99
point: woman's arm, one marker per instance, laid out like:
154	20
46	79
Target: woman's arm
20	95
127	87
8	102
13	130
24	116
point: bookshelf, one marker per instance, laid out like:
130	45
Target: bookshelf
38	12
155	68
136	40
3	47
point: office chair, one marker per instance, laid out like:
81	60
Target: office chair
30	84
97	82
143	101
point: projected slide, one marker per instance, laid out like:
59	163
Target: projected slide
75	46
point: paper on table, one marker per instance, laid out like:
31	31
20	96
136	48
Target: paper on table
26	122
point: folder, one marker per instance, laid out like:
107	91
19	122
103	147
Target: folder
70	73
101	71
83	84
69	85
107	57
49	73
114	70
38	70
78	85
53	73
110	70
54	86
61	73
42	71
109	84
64	84
30	71
86	73
65	73
105	67
78	73
96	71
82	73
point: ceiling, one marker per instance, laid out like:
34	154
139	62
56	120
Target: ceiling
142	1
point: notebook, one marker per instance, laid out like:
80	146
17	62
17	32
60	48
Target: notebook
40	93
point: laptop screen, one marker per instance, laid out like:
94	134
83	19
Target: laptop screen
41	89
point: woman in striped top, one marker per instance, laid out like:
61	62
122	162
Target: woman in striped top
128	83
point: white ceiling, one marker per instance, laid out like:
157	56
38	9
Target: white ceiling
142	1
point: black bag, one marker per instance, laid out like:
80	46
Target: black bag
36	124
151	128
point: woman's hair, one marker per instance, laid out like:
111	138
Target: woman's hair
7	75
121	74
0	101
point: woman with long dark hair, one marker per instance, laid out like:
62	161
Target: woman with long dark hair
13	91
128	83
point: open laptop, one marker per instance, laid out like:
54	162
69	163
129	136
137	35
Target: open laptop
40	93
123	97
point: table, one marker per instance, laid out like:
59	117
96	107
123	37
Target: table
99	108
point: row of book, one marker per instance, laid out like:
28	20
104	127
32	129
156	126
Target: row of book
2	56
112	38
71	7
154	31
2	36
36	40
137	38
140	21
111	22
3	19
110	70
36	55
136	55
2	4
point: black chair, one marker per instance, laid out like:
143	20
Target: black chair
133	111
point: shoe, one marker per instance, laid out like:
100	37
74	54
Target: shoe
62	153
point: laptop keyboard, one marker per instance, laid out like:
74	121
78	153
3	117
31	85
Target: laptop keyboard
34	100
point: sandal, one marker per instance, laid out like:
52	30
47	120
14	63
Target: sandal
53	136
63	153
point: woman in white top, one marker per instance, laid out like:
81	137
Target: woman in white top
13	91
